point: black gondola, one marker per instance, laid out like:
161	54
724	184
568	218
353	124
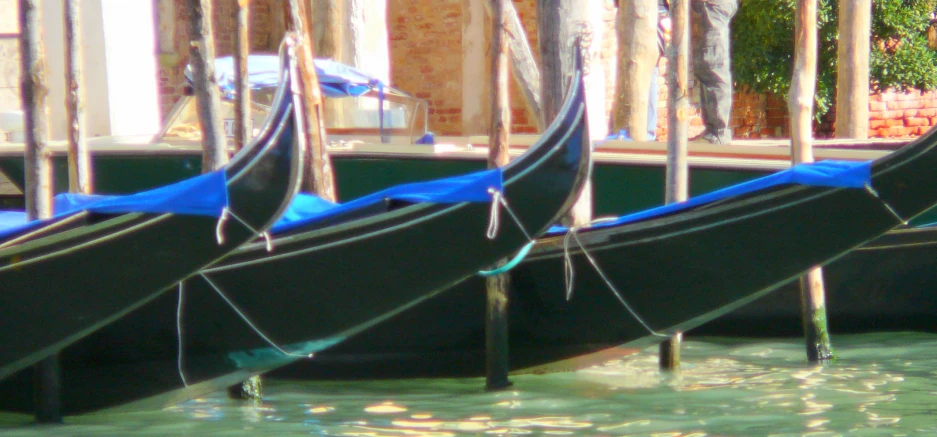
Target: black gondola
64	278
324	282
886	285
676	272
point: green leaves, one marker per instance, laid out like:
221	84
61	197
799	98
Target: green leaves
763	47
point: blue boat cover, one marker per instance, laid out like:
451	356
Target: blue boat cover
472	187
205	194
263	71
829	173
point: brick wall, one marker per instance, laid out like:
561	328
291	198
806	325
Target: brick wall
894	114
224	24
426	60
426	57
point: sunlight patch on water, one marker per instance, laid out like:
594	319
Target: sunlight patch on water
879	385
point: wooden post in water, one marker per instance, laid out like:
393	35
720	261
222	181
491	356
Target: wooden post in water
79	162
555	32
802	93
243	127
207	94
33	92
852	80
678	124
637	52
669	350
252	389
678	118
523	66
317	176
496	319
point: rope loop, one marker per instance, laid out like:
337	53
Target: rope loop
219	228
494	217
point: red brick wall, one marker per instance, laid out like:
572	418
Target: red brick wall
426	60
906	114
426	57
171	77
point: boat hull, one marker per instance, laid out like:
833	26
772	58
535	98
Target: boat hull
674	273
264	306
74	275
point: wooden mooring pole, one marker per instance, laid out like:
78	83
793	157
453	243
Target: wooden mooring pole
678	124
801	98
33	92
80	179
243	128
852	72
251	389
317	176
496	314
636	25
207	94
523	66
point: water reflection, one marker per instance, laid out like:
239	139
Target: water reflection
881	384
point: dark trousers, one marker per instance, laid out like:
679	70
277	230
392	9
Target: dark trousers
712	63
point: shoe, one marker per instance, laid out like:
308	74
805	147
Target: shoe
722	138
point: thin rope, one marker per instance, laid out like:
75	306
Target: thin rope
249	322
219	235
225	213
568	272
611	286
520	225
179	337
494	217
494	220
887	206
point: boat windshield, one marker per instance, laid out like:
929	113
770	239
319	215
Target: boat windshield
405	117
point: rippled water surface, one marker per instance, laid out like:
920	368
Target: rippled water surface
880	385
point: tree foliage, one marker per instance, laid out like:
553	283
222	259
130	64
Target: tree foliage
763	47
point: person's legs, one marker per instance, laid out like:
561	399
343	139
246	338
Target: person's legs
712	65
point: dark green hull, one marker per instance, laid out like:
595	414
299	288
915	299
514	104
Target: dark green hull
889	284
676	272
317	284
618	188
70	276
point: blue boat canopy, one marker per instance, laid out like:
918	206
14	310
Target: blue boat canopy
831	173
472	187
205	195
263	71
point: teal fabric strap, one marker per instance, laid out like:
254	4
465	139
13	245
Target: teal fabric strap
510	264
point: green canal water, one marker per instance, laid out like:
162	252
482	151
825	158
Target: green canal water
880	385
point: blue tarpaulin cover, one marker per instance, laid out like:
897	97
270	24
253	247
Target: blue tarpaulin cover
205	194
263	71
473	187
829	173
